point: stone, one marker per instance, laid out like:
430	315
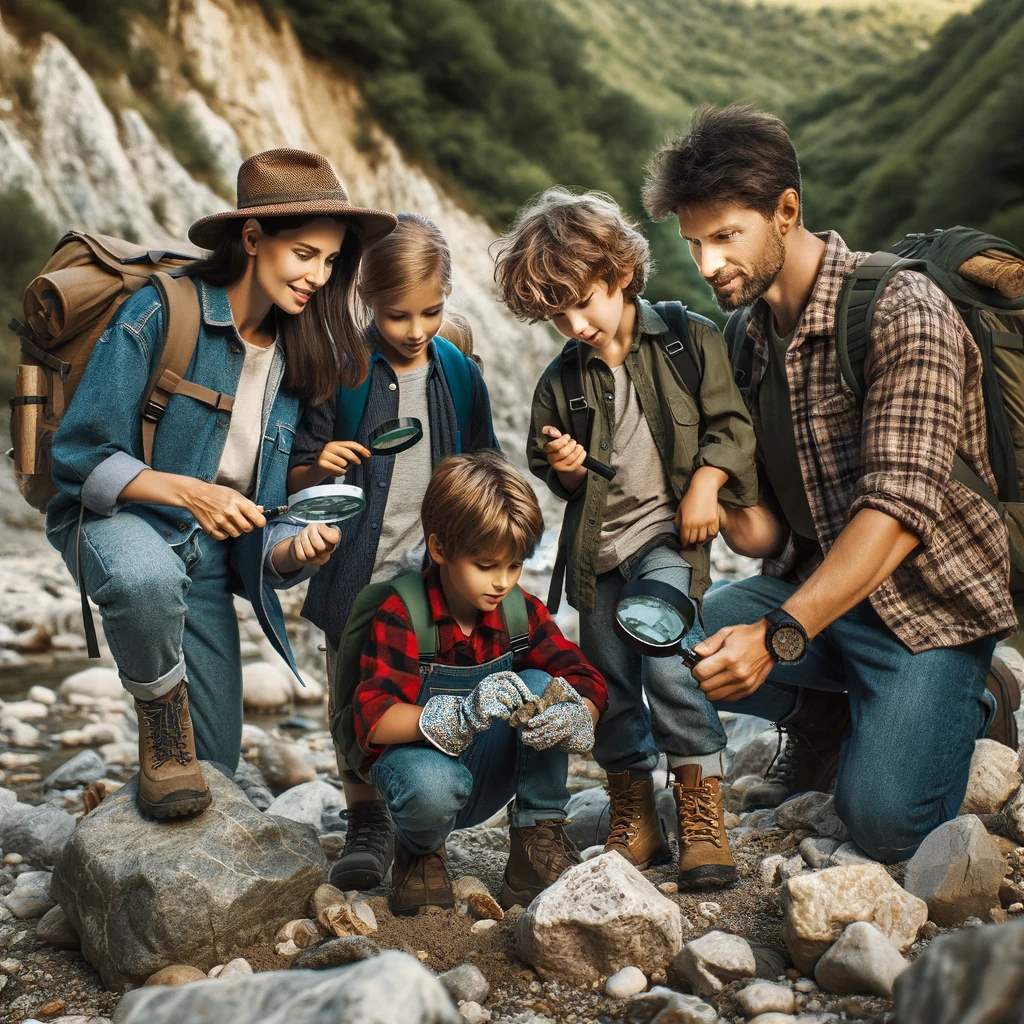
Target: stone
663	1006
630	981
817	850
356	918
850	853
95	683
819	905
473	1013
861	961
284	764
812	812
324	897
465	885
25	710
81	769
307	802
709	911
30	898
600	916
1013	816
993	778
774	1018
21	734
973	975
480	927
36	832
250	781
392	987
190	889
791	867
753	758
770	962
55	929
707	964
336	953
957	871
300	934
587	812
768	869
766	997
42	694
466	983
175	974
265	687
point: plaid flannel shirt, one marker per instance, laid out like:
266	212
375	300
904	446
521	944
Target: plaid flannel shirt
390	667
894	453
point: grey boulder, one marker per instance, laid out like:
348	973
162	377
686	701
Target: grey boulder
85	767
37	833
862	960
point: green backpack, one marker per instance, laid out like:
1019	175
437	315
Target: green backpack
411	588
996	323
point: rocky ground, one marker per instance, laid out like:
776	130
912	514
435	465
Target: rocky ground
91	905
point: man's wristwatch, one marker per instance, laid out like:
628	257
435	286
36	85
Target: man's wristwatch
786	639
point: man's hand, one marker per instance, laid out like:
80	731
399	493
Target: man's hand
734	662
313	545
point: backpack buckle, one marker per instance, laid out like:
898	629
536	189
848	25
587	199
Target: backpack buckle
152	411
673	347
578	404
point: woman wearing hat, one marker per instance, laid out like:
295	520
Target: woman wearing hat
162	548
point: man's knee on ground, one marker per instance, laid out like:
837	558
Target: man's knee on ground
881	820
423	786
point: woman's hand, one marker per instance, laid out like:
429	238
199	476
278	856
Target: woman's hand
336	456
313	545
222	512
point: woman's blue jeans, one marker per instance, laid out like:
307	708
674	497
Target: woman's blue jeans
913	717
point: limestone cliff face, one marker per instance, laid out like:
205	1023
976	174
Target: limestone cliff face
88	166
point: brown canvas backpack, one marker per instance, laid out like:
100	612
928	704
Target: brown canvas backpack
67	307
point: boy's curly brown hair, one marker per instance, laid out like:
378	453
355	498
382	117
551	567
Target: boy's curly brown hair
559	245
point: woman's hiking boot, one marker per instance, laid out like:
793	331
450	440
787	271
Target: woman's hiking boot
635	830
171	783
369	848
538	855
1003	684
705	860
420	880
814	734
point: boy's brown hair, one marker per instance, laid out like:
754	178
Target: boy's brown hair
479	504
559	245
732	154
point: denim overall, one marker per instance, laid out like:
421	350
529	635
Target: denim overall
430	793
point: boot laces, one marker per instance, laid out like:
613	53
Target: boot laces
547	842
166	724
624	809
789	761
700	816
369	829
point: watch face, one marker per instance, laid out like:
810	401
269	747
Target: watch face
787	643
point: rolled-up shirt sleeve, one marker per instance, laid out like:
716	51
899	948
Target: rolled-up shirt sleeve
912	407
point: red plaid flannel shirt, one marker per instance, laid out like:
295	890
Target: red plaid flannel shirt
390	667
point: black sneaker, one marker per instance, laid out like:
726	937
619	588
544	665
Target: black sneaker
369	848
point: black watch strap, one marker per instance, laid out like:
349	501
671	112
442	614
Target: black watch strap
786	639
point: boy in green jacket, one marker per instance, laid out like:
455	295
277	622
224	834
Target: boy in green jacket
668	419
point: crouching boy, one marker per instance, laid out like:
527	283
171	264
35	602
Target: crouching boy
448	658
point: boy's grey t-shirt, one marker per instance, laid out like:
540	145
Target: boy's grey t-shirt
401	535
640	504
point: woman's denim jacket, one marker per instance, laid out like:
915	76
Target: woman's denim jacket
97	450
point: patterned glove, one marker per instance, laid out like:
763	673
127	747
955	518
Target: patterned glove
450	723
566	726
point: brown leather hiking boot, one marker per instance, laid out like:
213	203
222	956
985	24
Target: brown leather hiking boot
420	880
635	828
814	734
538	854
171	783
369	848
1003	684
705	860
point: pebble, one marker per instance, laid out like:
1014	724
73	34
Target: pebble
862	960
473	1012
805	985
709	911
479	927
669	888
52	1008
422	955
42	694
466	984
176	974
774	1018
766	997
630	981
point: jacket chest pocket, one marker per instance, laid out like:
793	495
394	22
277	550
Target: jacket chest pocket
283	437
834	425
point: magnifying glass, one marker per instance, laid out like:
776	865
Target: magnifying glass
652	618
596	465
327	503
396	436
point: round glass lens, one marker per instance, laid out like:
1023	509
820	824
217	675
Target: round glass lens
326	508
650	619
389	439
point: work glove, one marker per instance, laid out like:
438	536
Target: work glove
566	726
450	722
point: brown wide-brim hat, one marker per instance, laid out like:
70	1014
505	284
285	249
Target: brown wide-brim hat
290	183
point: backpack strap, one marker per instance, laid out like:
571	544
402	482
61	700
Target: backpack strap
517	624
680	348
570	369
741	352
412	589
455	367
181	318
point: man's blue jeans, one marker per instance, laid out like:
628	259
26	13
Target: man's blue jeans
913	717
430	794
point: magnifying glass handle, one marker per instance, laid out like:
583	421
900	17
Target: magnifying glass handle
273	513
601	468
690	658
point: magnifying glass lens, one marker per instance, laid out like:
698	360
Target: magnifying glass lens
396	436
393	438
325	510
650	619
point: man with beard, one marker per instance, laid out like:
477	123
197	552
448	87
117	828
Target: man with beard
871	641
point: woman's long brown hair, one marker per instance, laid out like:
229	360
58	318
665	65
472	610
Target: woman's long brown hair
324	344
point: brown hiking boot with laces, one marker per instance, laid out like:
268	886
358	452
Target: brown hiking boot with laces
538	854
635	830
420	880
369	848
814	735
171	783
705	860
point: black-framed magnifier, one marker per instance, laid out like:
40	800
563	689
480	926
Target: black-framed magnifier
394	436
652	618
326	503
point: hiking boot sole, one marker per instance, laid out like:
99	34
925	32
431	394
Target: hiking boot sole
346	878
708	876
1003	685
412	908
186	803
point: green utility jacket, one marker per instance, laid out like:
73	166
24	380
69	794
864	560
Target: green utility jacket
711	429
